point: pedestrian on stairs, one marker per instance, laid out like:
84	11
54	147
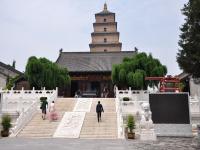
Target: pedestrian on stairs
52	112
99	109
44	107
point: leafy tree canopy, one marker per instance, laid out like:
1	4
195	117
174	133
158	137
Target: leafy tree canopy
188	56
132	71
41	72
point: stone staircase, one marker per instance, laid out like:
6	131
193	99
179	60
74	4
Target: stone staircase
107	128
38	127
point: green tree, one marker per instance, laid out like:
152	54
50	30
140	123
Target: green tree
44	73
11	82
188	56
132	71
122	77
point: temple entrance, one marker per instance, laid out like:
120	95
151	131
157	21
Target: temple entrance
95	86
74	88
90	84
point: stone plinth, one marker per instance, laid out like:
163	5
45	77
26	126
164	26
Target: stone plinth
148	135
176	130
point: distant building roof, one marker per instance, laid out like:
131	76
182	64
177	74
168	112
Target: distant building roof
183	75
91	61
10	68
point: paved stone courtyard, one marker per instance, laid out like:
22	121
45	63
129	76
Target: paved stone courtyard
163	143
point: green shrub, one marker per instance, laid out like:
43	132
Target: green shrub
6	122
131	123
126	99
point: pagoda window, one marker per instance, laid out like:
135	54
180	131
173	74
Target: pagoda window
104	20
105	50
105	29
105	40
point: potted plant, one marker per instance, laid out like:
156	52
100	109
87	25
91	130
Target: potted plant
6	124
126	99
130	127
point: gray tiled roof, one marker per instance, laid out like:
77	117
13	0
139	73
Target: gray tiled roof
10	68
91	61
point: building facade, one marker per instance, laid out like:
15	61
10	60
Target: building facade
7	72
90	72
191	85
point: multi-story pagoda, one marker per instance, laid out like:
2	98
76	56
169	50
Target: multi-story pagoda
105	37
90	72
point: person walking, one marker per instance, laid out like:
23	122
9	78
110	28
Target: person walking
99	109
52	112
44	107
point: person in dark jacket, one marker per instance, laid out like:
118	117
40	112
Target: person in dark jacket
43	107
99	109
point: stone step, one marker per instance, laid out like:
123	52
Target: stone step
98	137
37	131
91	129
38	127
30	128
106	132
106	129
35	135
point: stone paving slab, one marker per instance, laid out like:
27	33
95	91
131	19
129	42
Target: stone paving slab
163	143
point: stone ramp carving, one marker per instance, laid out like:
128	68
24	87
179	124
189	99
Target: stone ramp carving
70	125
83	105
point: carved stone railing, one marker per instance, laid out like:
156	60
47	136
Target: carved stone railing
120	123
143	96
124	108
137	95
24	118
25	103
16	100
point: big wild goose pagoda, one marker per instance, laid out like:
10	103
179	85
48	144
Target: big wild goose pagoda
91	71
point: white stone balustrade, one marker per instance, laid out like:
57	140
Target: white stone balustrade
16	100
137	95
120	124
124	108
24	118
143	96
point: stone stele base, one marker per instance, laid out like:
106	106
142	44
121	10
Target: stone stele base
148	135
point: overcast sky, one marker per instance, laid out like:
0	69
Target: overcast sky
41	27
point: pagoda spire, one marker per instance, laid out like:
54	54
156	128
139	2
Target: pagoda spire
105	7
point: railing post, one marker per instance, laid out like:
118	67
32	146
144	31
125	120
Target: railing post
56	91
11	91
43	92
117	92
130	93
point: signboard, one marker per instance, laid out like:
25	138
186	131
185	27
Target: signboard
170	108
